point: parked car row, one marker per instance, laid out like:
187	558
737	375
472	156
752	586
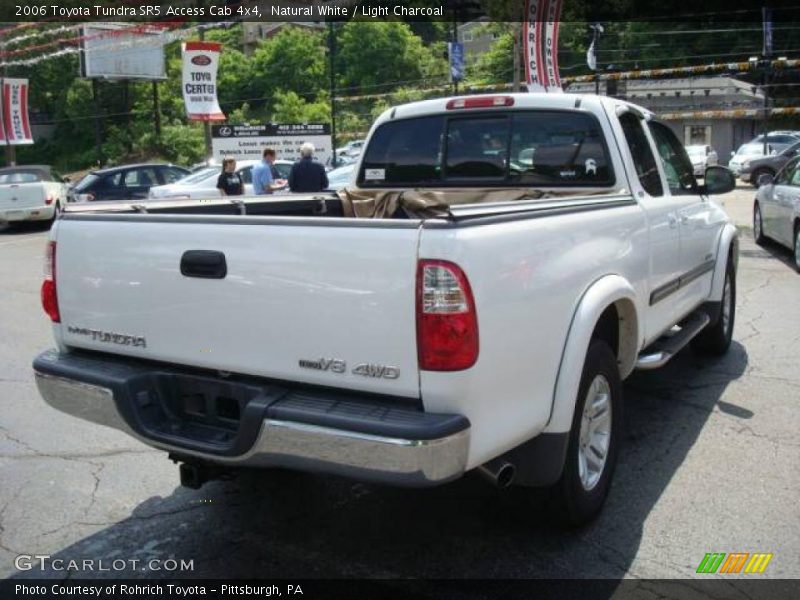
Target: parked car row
750	161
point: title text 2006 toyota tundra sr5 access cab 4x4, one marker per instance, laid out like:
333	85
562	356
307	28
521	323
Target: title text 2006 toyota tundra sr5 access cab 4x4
472	301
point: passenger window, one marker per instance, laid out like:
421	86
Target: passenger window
171	175
643	159
795	180
677	166
141	178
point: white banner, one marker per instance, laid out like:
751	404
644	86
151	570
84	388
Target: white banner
248	141
15	111
550	45
532	45
200	62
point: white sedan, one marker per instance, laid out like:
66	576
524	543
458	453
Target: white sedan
203	183
776	211
702	156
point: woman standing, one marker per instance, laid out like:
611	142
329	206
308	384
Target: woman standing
230	182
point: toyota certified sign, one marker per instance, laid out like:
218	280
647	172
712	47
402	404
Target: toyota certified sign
201	60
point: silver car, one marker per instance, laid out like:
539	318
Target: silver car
702	156
776	212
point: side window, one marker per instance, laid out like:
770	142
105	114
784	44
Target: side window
141	178
677	166
795	180
109	182
643	159
787	173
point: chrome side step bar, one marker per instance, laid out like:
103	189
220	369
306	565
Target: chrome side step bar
662	350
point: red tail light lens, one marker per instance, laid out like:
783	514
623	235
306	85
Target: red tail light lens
447	324
49	199
49	293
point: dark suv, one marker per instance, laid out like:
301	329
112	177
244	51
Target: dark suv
126	182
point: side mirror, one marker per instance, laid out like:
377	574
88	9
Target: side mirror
765	179
718	180
733	153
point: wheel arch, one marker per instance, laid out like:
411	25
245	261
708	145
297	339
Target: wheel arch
727	247
610	301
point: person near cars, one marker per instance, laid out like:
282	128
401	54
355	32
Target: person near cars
306	175
263	179
230	182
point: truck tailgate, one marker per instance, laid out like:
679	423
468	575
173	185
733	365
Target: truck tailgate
303	299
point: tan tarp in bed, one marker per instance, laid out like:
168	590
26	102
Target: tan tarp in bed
382	204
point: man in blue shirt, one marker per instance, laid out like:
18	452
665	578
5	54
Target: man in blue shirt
263	182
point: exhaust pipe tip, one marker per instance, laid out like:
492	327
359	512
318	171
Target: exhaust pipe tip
499	473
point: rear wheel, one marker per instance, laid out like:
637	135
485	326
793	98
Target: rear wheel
592	453
797	247
716	338
758	226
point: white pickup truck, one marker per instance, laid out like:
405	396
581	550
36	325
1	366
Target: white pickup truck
31	193
472	301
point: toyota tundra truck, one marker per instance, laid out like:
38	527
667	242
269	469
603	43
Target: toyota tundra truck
470	302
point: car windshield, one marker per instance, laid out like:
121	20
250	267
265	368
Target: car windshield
751	150
86	182
339	177
20	177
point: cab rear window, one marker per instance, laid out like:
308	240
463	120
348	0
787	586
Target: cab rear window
531	148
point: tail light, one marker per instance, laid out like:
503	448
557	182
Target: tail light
479	102
447	324
49	294
49	199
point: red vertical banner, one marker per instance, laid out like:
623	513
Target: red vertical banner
15	112
3	140
532	45
550	45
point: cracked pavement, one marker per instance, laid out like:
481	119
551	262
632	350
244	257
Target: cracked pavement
709	464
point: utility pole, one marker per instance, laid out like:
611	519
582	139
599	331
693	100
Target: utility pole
156	112
98	131
516	33
591	57
332	87
206	124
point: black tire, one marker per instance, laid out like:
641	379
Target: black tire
572	502
758	173
797	247
56	212
716	338
758	226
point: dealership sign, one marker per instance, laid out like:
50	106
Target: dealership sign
248	141
15	126
200	62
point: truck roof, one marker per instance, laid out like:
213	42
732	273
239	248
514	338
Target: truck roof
589	102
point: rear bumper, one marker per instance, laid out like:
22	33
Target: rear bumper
324	431
36	213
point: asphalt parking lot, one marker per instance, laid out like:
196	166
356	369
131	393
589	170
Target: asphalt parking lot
709	464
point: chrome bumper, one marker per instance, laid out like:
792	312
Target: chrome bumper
289	444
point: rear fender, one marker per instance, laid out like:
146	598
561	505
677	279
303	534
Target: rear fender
608	290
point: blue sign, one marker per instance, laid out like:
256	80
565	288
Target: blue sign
455	51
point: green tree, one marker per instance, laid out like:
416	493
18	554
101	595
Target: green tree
295	59
381	54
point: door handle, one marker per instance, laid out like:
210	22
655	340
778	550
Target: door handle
684	219
205	264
